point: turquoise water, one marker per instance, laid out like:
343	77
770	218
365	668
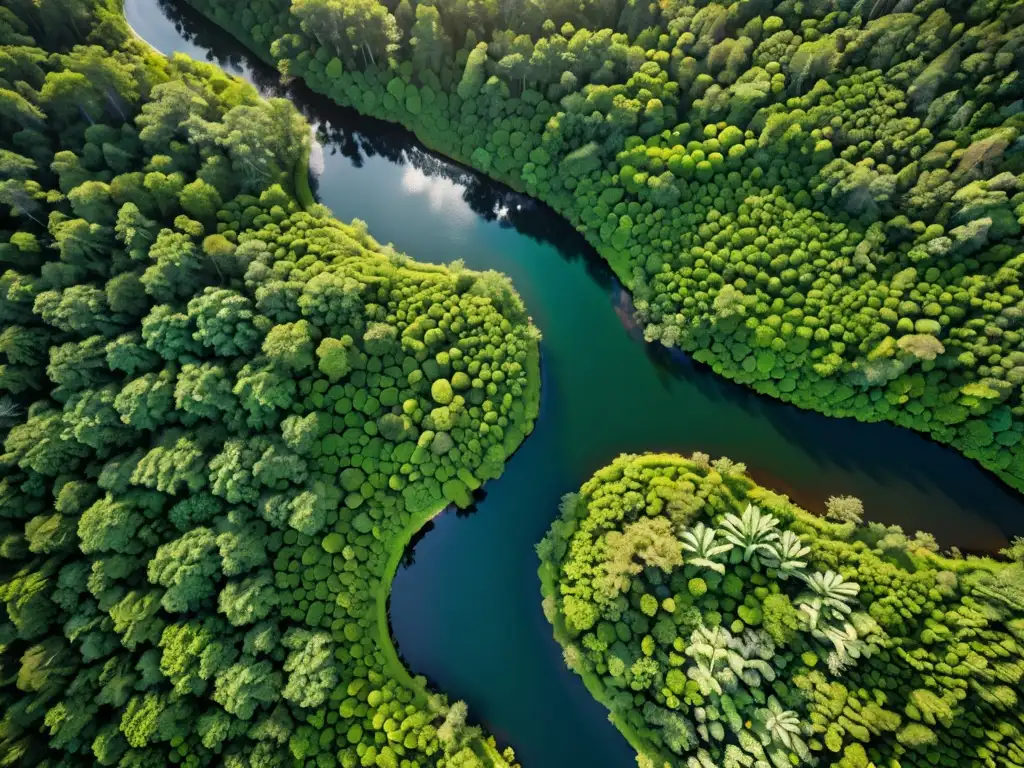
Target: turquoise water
466	610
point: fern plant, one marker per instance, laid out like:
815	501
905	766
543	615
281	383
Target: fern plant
703	547
828	598
786	555
752	534
781	729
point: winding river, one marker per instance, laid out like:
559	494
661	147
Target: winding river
465	609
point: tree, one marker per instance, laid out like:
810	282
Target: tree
17	110
135	230
80	309
474	74
188	567
429	40
333	357
312	672
247	686
166	189
147	402
703	549
177	269
112	78
753	534
263	141
136	618
1015	551
359	31
226	322
250	600
193	652
290	346
200	200
452	732
844	509
70	97
116	524
164	114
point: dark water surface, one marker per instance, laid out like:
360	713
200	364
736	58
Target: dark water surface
466	610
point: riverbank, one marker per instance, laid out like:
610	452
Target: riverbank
733	572
484	747
397	550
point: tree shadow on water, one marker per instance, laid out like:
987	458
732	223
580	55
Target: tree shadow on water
409	556
881	450
479	497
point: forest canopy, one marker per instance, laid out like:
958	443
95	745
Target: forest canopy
224	414
724	627
823	201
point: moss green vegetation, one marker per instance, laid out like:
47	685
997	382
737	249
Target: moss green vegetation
726	628
223	414
822	201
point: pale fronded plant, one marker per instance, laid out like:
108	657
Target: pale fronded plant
736	758
702	759
709	649
711	730
752	534
828	598
753	672
847	645
704	676
709	644
751	744
754	644
702	547
779	727
749	655
786	555
869	630
729	714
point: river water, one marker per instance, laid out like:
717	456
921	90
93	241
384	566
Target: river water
465	610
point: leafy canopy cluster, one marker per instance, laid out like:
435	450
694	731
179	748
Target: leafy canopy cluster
823	201
223	419
726	628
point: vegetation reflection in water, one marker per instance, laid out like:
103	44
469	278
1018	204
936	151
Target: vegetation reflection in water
467	614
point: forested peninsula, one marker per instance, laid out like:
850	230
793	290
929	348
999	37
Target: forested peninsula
223	415
820	200
724	627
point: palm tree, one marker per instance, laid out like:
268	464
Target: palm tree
700	544
709	644
753	534
749	655
786	554
754	643
827	599
779	726
705	678
709	648
845	640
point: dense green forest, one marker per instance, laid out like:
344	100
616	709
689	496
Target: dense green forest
821	200
726	628
224	414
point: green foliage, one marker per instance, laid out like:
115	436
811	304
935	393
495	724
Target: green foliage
779	638
224	434
821	203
